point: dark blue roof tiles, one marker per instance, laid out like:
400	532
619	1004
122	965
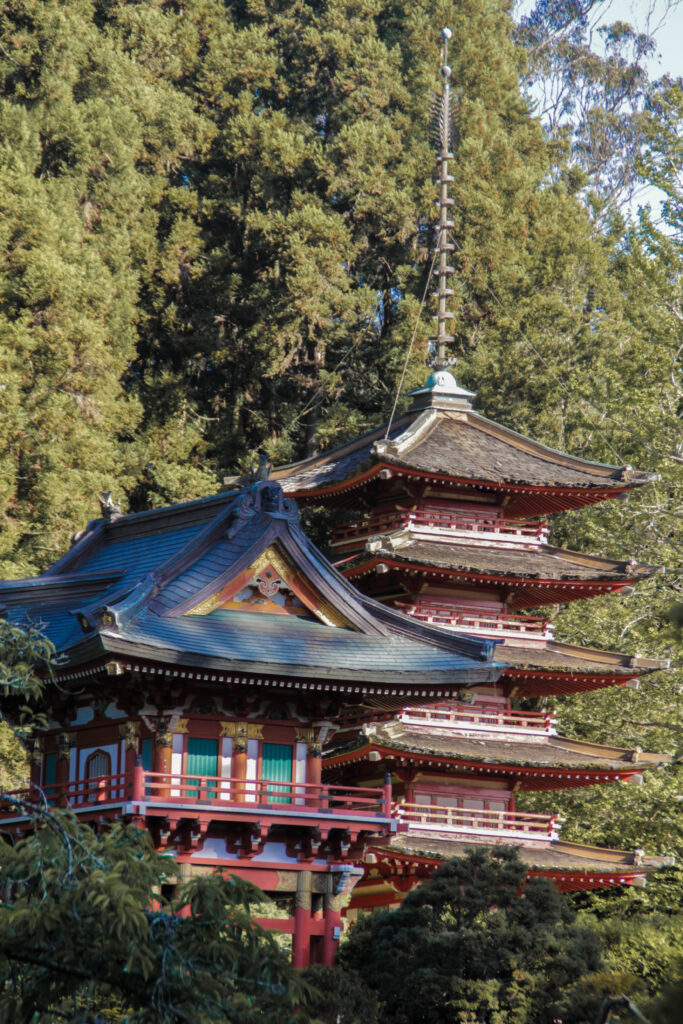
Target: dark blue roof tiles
143	554
56	622
210	567
263	643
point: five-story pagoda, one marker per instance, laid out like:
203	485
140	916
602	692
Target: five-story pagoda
449	524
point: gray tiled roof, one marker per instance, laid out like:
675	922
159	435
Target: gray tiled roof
555	751
544	562
159	562
557	856
247	641
463	445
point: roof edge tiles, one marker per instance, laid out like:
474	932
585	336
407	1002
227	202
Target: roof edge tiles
622	760
373	449
568	857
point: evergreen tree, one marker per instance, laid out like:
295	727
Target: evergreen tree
472	945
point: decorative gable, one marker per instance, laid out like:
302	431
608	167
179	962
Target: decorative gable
271	585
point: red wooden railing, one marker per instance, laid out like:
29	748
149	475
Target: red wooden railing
438	519
152	788
514	824
471	618
486	718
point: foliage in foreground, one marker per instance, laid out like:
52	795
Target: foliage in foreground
473	945
86	928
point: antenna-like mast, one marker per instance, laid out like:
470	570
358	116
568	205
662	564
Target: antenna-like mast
441	135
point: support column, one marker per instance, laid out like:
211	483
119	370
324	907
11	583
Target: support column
65	742
239	769
37	755
301	939
314	769
333	925
130	733
161	762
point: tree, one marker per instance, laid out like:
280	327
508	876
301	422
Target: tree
588	79
87	933
477	944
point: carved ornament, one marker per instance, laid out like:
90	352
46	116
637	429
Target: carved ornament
130	732
65	741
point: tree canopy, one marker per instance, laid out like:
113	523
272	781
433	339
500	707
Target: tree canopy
477	944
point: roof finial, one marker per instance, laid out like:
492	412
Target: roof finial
442	136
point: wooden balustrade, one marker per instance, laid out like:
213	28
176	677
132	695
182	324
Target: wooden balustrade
441	520
172	789
516	825
443	614
473	718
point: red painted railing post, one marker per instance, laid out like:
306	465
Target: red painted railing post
386	797
138	781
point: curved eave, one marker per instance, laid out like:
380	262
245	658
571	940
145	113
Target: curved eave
539	777
523	682
534	591
526	499
618	868
88	659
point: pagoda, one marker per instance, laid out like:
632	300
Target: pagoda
204	654
448	522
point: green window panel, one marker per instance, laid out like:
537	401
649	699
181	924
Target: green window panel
147	752
276	766
50	775
202	760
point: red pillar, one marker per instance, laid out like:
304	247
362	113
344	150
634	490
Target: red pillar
333	926
163	748
386	801
239	770
37	754
129	732
314	768
301	939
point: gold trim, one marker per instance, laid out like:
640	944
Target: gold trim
130	732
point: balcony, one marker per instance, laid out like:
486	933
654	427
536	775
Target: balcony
174	799
513	827
529	726
498	625
445	525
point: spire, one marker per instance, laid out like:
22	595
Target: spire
441	389
441	135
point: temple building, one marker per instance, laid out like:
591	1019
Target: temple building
204	653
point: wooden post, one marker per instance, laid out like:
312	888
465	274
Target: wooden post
239	770
64	745
129	732
163	749
333	926
314	767
138	773
386	800
37	755
301	939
